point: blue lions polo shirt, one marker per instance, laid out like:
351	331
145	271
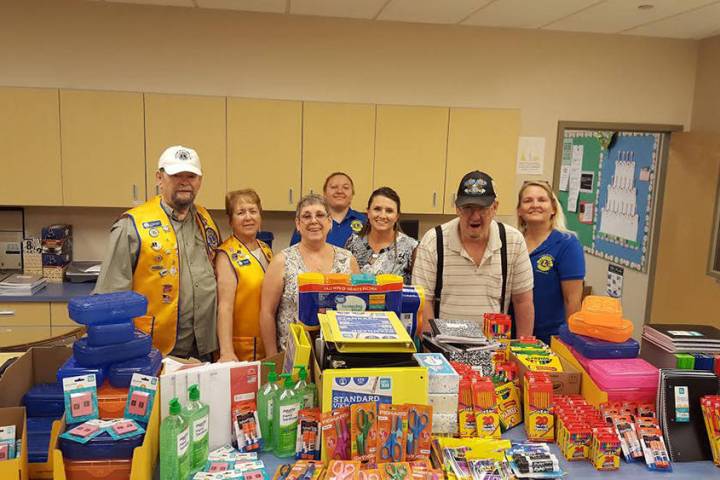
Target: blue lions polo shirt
340	232
560	257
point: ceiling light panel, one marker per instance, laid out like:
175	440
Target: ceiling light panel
268	6
430	11
366	9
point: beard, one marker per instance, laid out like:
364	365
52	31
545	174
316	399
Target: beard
184	201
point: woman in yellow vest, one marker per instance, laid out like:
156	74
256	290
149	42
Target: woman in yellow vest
240	273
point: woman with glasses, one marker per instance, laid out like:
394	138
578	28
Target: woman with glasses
556	256
240	269
279	301
380	247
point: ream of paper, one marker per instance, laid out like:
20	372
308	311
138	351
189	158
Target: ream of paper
531	155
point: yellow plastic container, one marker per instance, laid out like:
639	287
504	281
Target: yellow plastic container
588	388
17	468
298	350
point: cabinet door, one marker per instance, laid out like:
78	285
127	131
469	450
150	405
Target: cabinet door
264	150
410	148
338	137
21	314
59	316
30	142
103	148
485	140
195	122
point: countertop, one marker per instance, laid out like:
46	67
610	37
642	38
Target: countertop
53	292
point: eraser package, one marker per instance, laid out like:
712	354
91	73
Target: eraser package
85	432
141	397
81	403
121	428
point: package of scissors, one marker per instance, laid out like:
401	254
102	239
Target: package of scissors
343	470
335	426
395	471
419	433
392	433
306	470
363	431
369	474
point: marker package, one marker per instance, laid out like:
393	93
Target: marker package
81	402
141	397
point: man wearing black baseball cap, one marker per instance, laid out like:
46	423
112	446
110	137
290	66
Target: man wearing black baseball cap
472	264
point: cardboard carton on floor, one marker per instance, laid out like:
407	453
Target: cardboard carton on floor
37	365
16	468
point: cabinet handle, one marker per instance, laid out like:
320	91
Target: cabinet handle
7	313
134	193
290	196
434	199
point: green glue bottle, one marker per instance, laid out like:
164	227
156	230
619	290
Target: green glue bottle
285	418
174	445
306	391
265	402
197	415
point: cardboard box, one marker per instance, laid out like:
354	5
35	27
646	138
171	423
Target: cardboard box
564	383
17	468
37	365
589	389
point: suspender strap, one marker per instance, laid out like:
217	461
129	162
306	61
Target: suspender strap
503	264
439	270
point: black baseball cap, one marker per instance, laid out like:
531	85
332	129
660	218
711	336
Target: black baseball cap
476	188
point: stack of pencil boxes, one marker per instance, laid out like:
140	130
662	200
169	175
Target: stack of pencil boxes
443	384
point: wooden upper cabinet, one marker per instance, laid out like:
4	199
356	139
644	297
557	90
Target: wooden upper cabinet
30	142
410	150
192	121
264	149
338	137
485	140
103	148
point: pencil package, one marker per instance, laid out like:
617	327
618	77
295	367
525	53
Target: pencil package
487	418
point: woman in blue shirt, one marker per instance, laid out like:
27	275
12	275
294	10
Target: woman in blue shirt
556	255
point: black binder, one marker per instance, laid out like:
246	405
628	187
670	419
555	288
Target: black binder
687	441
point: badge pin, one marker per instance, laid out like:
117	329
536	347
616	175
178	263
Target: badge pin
153	232
163	273
167	288
159	258
157	268
156	246
166	299
173	271
166	228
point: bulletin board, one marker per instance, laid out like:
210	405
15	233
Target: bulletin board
606	184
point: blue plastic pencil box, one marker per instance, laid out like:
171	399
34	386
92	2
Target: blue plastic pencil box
89	356
45	400
71	369
120	374
110	333
102	447
116	307
596	349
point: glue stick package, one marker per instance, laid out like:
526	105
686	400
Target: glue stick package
81	402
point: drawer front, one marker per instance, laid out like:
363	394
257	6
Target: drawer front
25	314
14	335
59	316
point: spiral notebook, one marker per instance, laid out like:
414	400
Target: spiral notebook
680	413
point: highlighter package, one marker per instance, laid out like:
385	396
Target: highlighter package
335	427
363	432
81	401
141	397
419	434
392	433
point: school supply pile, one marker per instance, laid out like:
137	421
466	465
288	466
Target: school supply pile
443	387
478	414
687	347
710	405
227	463
602	318
462	341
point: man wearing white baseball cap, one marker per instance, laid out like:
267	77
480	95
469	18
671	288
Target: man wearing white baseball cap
164	250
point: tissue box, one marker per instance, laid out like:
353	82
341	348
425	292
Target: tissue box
56	232
442	376
445	423
443	402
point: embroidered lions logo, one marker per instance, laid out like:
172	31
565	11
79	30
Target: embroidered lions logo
356	225
182	155
545	263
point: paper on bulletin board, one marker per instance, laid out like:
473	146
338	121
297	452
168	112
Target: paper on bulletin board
615	280
565	164
574	177
531	155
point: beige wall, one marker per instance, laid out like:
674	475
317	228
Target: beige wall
549	76
683	292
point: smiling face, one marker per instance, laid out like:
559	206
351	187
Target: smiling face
382	214
313	222
339	192
475	221
535	206
179	190
246	219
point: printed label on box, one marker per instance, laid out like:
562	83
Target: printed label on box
349	390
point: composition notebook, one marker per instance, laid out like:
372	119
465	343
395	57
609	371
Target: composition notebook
680	412
683	338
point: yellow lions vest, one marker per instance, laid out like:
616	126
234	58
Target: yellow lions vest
246	311
156	273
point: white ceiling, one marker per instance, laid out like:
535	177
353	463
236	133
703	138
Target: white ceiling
690	19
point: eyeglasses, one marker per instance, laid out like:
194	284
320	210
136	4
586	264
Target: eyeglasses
309	217
471	209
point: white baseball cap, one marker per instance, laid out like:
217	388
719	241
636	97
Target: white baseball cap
178	159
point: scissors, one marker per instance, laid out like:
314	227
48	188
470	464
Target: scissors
369	475
284	471
392	449
416	423
365	421
342	471
396	472
341	451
